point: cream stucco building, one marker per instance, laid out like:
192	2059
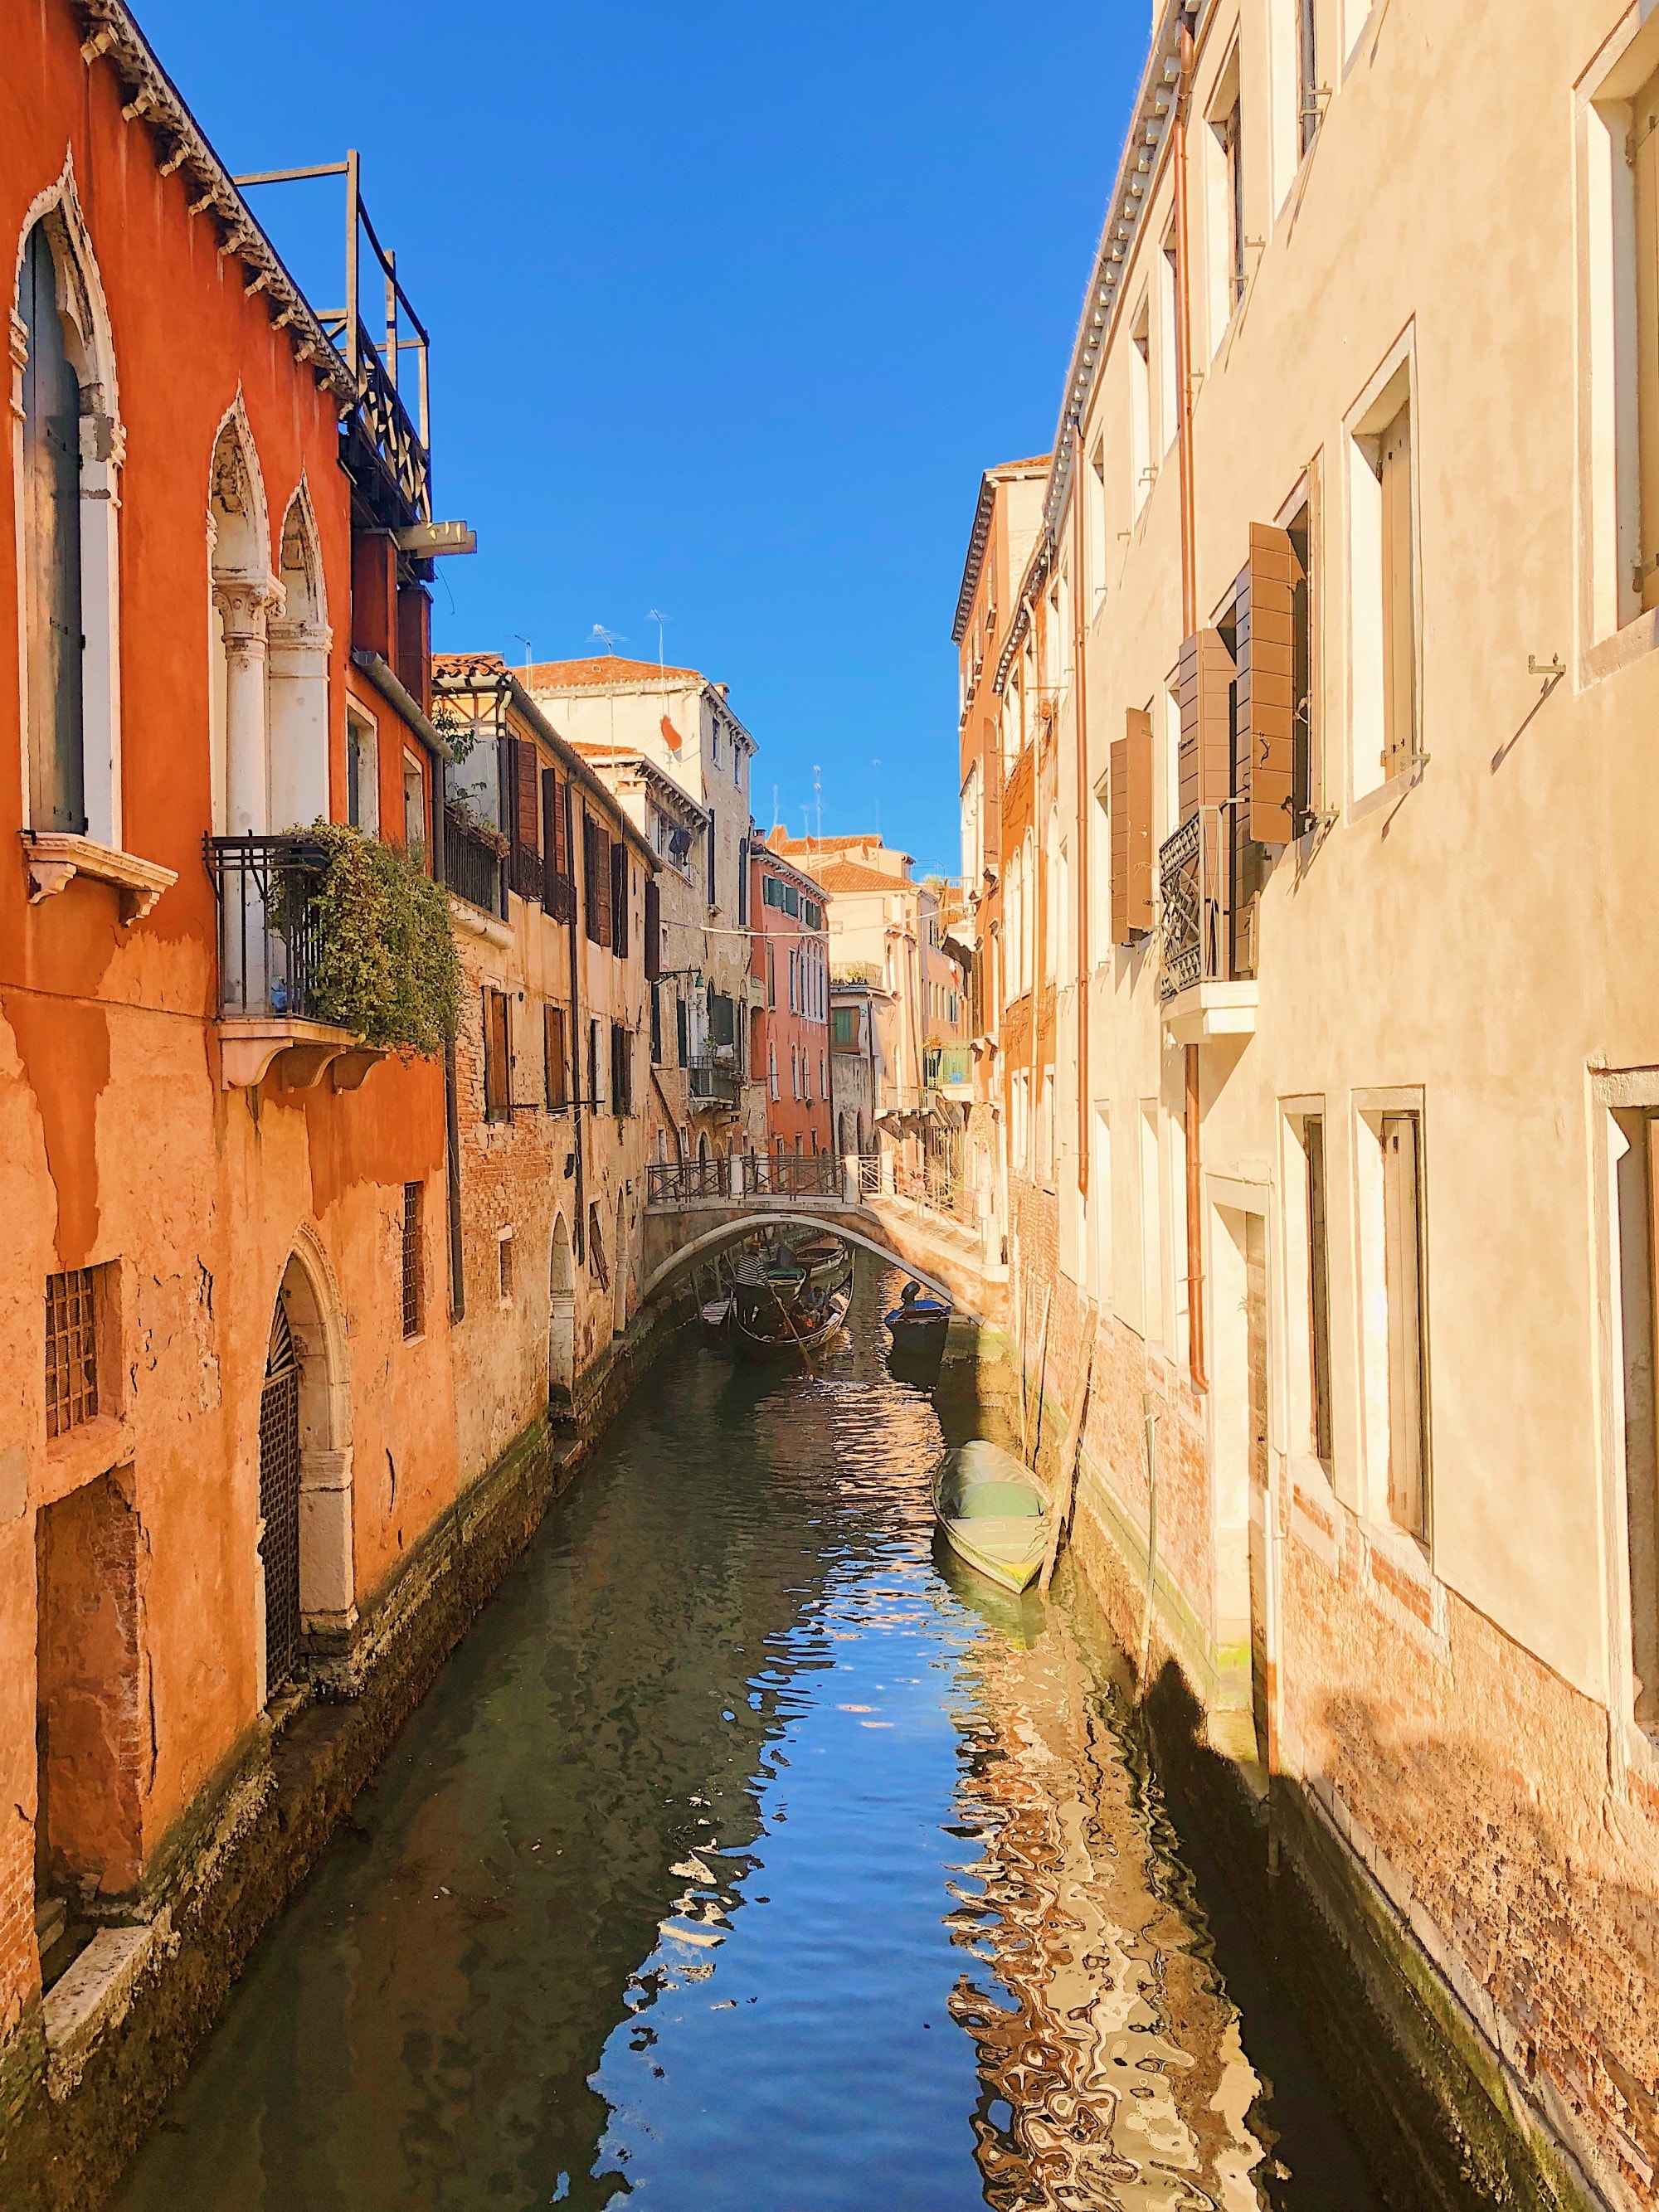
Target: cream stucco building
1309	782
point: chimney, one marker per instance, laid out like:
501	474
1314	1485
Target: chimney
720	688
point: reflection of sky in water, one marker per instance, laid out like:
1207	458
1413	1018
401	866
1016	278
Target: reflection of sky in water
746	1854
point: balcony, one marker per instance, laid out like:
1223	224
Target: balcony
270	940
948	1068
1207	978
472	863
714	1081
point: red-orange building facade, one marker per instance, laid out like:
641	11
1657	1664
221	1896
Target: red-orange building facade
226	1415
789	1028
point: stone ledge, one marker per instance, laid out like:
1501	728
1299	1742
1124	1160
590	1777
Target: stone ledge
94	1997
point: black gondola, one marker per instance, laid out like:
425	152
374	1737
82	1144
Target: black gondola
919	1325
791	1299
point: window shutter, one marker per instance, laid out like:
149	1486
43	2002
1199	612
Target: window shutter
1266	681
743	883
1403	1267
553	881
652	930
1205	679
1130	799
679	1030
524	808
558	1093
619	898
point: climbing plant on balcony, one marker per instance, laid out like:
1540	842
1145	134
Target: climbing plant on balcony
385	966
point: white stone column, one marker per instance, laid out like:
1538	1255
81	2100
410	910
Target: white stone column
244	609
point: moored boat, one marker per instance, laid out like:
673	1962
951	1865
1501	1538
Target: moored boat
919	1325
992	1512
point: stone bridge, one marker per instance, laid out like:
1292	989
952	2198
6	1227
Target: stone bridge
681	1231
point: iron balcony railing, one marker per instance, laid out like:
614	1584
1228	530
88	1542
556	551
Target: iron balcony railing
945	1064
384	423
715	1082
268	933
1195	875
472	864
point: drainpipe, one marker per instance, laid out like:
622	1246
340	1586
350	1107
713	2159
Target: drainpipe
1188	625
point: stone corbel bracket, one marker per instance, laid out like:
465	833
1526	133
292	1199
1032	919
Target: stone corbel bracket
53	858
301	1053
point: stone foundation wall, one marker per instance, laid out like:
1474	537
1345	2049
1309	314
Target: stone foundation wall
83	2076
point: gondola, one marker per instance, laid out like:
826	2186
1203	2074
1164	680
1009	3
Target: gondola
992	1513
918	1325
789	1300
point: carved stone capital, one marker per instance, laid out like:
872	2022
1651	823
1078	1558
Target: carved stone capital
246	606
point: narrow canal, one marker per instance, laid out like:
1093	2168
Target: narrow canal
751	1854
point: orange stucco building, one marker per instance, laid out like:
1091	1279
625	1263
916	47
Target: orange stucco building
789	1026
226	1393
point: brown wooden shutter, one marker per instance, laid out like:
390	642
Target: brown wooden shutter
1206	680
1266	681
652	930
558	1089
603	895
1129	797
619	898
552	881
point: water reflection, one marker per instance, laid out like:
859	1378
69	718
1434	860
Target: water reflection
666	1892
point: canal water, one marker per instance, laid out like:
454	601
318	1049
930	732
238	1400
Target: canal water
752	1854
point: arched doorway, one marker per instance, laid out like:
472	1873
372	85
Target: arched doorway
279	1500
561	1317
307	1576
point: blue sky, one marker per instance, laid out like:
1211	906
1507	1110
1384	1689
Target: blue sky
729	308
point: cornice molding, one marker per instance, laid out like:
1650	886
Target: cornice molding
148	96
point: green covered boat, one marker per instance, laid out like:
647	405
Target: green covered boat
992	1512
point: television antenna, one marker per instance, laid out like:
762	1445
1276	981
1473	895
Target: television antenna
654	615
876	764
529	656
817	793
609	639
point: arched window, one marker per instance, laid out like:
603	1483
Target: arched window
298	642
52	548
245	597
67	446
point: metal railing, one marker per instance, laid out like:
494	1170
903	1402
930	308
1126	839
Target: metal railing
670	1180
385	423
714	1081
792	1174
269	932
935	1186
1193	875
869	1174
945	1064
473	865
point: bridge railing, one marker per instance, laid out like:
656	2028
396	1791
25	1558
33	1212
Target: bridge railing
754	1175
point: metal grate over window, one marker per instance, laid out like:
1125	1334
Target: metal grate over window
71	1350
414	1273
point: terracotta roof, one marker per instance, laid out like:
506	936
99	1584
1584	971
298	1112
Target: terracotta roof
853	876
779	840
604	668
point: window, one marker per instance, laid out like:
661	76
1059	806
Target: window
1402	1230
595	1097
556	1058
52	551
504	1266
791	900
771	971
1305	777
713	900
656	1026
621	1071
497	1069
844	1028
1641	151
1308	87
600	912
1319	1296
1100	1204
793	965
413	1267
1382	557
1226	201
772	1069
619	898
415	837
71	1350
714	743
1094	493
362	774
1151	1225
1140	407
1169	366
